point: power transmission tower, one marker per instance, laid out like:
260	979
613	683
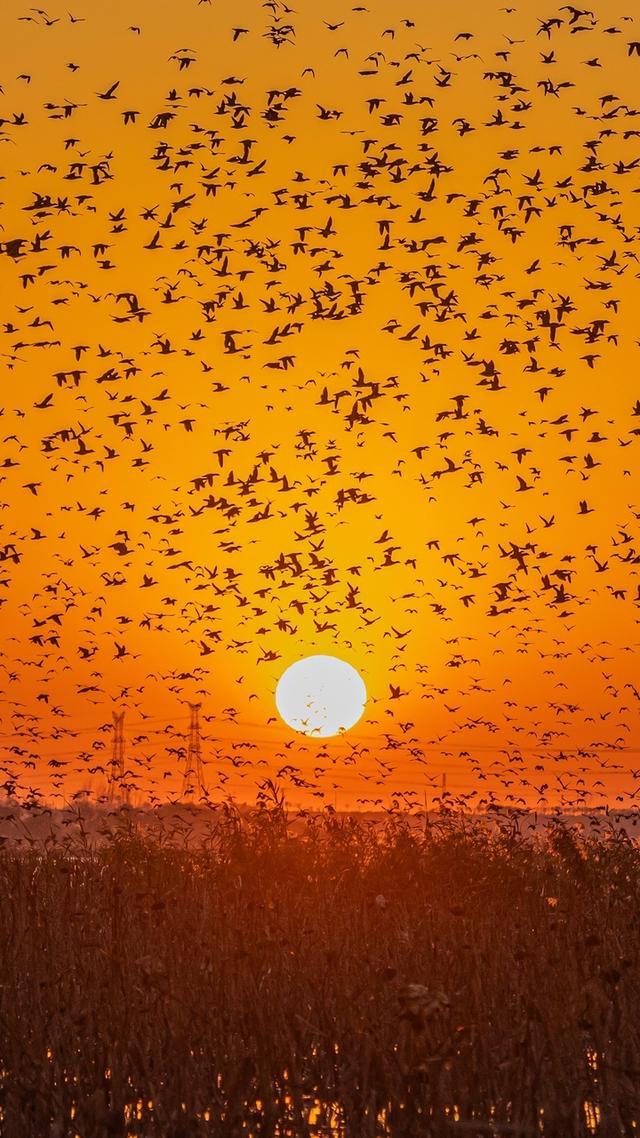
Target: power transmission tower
116	769
193	773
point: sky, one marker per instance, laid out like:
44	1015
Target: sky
319	336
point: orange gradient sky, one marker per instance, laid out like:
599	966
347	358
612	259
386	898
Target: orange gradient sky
315	334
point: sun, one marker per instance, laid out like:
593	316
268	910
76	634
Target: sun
321	696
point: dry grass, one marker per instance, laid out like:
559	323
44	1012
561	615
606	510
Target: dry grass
323	978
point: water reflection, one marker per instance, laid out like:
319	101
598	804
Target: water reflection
291	1113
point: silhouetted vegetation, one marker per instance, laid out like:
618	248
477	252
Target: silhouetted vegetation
327	976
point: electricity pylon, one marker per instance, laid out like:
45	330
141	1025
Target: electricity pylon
193	780
116	770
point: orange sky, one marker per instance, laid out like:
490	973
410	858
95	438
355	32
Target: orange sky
320	351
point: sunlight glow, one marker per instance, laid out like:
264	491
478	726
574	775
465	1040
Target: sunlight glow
321	696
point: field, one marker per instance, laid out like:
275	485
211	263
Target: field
325	976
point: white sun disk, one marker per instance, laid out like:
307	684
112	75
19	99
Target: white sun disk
321	696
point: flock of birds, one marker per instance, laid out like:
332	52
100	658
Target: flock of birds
319	334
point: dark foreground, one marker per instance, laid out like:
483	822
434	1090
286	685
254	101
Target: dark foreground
323	979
